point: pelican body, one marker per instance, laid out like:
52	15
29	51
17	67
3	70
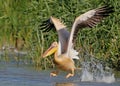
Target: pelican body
62	61
63	50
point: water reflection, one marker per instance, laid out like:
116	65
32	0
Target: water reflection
65	84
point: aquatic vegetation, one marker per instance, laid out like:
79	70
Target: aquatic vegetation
21	19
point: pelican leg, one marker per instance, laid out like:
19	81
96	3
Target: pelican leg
54	73
70	74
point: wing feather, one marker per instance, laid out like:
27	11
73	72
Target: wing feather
88	19
55	24
47	25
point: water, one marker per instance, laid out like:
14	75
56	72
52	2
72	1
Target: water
95	70
13	75
93	74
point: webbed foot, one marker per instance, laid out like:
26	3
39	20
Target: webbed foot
69	75
54	73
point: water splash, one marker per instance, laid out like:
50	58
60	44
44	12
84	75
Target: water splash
95	70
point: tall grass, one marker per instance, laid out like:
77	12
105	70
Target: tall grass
21	19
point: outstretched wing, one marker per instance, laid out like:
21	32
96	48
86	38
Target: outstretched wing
88	19
63	34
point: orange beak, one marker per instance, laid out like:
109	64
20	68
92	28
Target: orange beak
52	49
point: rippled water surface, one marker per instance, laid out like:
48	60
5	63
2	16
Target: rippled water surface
13	75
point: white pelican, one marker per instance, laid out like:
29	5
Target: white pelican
63	49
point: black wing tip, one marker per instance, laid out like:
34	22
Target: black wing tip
107	8
46	25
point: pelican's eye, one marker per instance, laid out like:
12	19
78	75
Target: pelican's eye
54	44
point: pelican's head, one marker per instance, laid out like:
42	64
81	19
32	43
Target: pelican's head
52	49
